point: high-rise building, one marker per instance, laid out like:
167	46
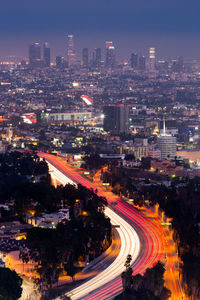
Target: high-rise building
60	62
178	65
167	144
35	55
109	44
46	55
98	57
85	57
142	63
71	57
152	59
110	55
116	118
134	60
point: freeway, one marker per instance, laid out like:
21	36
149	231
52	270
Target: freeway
170	259
140	237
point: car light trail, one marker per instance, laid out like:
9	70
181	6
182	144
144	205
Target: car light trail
150	238
130	244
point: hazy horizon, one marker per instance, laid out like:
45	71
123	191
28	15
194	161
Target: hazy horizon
172	27
167	47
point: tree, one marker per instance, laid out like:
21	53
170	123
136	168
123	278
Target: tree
165	293
149	286
10	284
127	278
128	261
153	278
70	267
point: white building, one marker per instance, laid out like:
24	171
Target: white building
167	144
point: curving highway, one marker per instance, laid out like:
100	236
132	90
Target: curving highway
145	250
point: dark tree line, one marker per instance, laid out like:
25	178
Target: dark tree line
143	287
181	202
19	169
10	284
82	238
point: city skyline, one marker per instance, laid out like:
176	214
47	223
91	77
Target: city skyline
172	28
139	44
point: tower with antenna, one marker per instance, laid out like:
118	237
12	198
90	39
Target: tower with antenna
167	144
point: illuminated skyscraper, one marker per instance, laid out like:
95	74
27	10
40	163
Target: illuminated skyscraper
152	59
46	55
108	44
85	57
110	55
35	55
71	58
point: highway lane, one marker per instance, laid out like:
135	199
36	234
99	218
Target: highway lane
150	237
171	276
130	244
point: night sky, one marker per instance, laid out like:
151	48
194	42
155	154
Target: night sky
172	26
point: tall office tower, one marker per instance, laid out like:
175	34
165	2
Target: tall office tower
116	118
134	60
178	65
142	63
60	62
35	55
98	57
167	144
152	59
109	44
110	55
46	55
71	57
85	57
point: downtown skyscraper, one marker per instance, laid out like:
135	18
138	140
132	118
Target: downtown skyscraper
34	55
110	55
85	57
152	59
98	57
71	57
46	55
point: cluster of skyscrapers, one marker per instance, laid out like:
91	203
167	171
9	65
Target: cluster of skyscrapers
89	60
95	60
36	59
139	61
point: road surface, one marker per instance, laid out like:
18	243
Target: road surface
140	237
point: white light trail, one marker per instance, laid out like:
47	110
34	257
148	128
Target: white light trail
130	244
